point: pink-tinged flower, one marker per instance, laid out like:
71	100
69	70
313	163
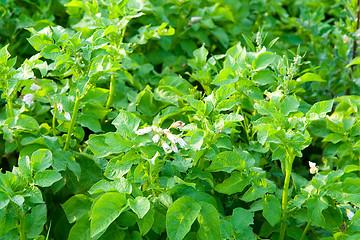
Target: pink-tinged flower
177	124
143	131
313	168
67	116
35	87
165	146
59	107
166	131
29	99
349	214
156	138
181	142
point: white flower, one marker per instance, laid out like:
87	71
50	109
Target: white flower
143	131
165	146
156	129
156	138
67	116
313	168
35	87
279	128
195	19
181	142
29	99
60	107
174	148
349	214
178	124
172	138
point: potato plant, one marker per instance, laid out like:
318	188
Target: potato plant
130	119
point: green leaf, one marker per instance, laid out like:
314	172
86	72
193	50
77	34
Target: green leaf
355	61
76	207
226	104
334	138
180	216
81	229
222	36
224	92
25	166
121	184
35	221
315	207
196	139
309	77
50	51
140	205
126	123
24	122
146	222
200	55
40	41
254	193
289	104
234	184
90	121
40	160
264	77
227	230
208	219
263	60
272	209
225	77
4	200
105	210
241	219
46	178
351	168
227	162
319	110
109	143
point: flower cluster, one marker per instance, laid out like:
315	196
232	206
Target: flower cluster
60	109
160	135
29	98
313	168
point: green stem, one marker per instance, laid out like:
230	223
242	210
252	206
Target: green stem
111	92
54	121
111	95
72	123
12	114
288	167
21	218
232	134
305	230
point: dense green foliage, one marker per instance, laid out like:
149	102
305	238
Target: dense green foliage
193	119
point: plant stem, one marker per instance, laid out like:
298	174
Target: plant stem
72	123
305	230
111	92
232	134
54	121
355	43
21	217
12	114
288	167
111	95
